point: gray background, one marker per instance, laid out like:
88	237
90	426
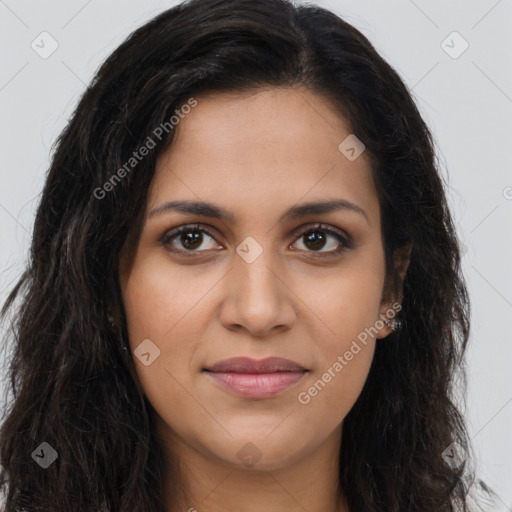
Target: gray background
467	101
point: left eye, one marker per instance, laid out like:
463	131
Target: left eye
316	238
313	239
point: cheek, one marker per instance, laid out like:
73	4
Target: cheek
166	315
342	304
347	310
350	288
332	389
159	298
342	378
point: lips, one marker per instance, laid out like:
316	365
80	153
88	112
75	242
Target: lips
250	378
248	365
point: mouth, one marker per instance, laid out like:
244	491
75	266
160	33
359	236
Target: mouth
250	378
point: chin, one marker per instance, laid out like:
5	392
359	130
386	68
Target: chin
255	452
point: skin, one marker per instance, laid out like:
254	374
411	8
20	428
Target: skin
256	155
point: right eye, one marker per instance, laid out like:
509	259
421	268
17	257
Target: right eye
190	237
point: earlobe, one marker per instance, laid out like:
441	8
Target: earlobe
388	323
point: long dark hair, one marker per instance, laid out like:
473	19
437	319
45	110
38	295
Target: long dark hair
73	381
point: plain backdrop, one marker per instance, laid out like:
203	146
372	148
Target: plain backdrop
464	94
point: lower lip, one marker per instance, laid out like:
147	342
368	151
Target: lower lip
256	385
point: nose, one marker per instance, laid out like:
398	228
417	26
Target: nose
257	299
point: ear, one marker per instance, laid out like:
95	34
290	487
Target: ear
392	296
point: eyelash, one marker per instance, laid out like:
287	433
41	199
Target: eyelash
346	242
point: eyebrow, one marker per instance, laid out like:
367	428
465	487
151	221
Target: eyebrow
205	209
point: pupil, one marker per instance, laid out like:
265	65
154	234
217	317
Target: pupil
187	239
317	240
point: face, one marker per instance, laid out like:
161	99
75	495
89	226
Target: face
267	279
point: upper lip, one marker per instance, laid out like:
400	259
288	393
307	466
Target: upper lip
248	365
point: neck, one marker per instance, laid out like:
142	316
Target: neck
209	484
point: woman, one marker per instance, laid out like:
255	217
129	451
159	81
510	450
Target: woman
244	288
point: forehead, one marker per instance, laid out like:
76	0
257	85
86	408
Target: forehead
260	151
